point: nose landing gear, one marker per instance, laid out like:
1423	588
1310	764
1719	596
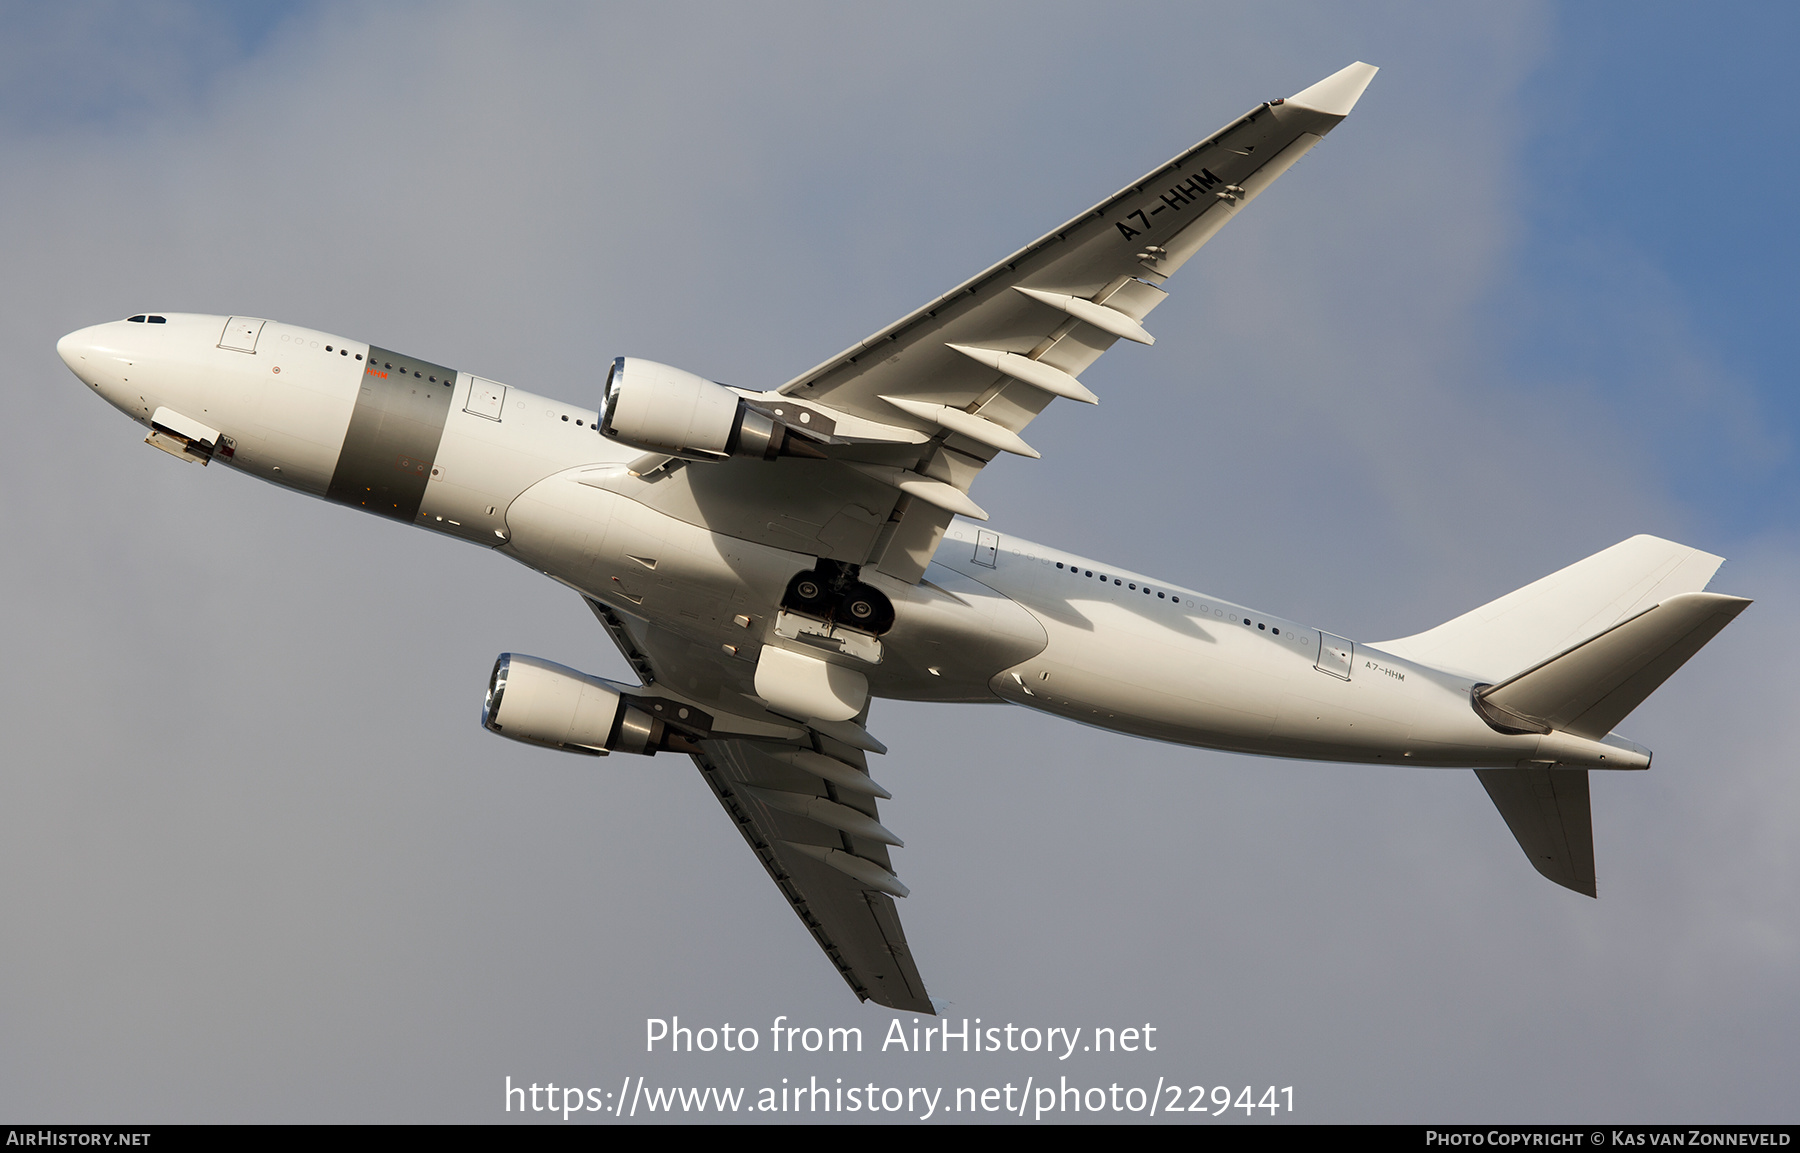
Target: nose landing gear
832	591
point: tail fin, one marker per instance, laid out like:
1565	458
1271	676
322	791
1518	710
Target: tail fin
1586	691
1576	652
1524	628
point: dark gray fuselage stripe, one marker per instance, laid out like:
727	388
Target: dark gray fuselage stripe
393	436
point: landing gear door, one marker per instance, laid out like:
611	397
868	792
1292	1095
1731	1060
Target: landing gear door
987	548
1335	655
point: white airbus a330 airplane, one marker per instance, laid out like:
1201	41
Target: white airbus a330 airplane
768	562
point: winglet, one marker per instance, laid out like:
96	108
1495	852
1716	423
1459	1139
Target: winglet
1338	93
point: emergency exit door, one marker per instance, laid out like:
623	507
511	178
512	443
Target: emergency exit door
1335	655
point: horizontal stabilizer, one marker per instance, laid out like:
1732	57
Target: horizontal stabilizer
1590	688
1547	616
1549	814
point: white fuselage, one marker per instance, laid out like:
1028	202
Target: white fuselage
996	618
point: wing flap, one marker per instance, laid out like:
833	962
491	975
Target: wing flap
853	919
840	883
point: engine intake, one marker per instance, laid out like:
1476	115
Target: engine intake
544	703
657	408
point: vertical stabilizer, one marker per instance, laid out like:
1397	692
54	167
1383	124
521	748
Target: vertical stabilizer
1552	615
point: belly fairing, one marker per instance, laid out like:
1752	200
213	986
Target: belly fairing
951	633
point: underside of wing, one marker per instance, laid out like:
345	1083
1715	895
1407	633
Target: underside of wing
1069	295
802	797
897	426
838	880
970	370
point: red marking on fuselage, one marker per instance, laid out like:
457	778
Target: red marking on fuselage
376	372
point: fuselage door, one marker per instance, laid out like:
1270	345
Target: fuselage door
987	548
1335	655
486	398
241	333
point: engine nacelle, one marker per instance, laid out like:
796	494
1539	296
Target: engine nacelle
543	703
661	409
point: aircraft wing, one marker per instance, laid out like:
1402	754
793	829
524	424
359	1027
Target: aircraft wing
902	423
910	415
803	800
840	882
972	368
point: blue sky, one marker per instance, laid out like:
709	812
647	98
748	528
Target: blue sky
1660	176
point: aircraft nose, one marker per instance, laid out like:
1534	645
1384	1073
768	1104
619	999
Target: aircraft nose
76	349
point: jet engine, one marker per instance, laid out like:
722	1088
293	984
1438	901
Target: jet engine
543	703
661	409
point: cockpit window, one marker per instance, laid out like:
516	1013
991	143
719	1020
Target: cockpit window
138	319
159	320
